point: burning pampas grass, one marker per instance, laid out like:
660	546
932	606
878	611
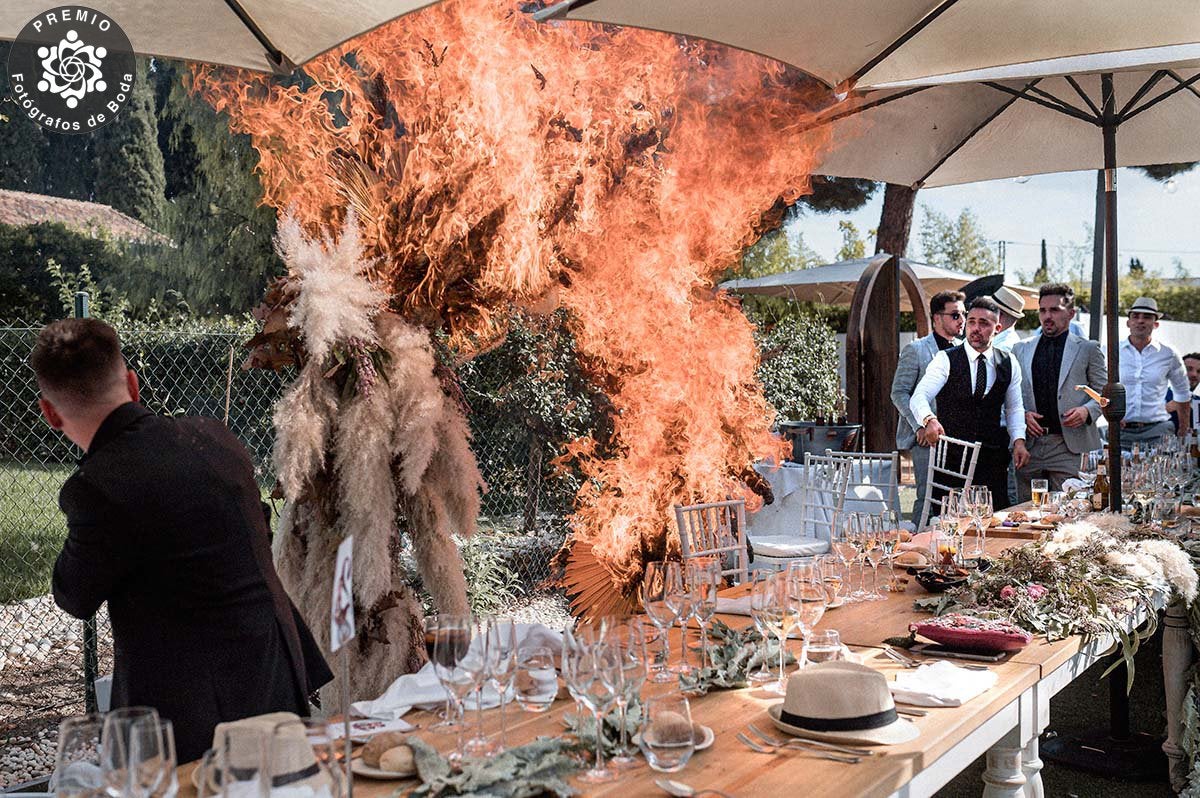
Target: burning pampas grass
367	440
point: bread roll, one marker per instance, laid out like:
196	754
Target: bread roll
912	559
398	760
381	742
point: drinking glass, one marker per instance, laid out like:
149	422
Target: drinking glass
594	676
805	601
451	647
705	579
152	759
831	577
979	502
475	666
537	680
449	722
301	762
77	759
679	598
242	766
667	738
824	645
114	748
843	547
763	674
630	642
889	539
768	601
1038	488
501	663
873	553
660	579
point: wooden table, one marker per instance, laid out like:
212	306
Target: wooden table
1004	723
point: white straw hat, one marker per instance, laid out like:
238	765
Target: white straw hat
1009	301
841	701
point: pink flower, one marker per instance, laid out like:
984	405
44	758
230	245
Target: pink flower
1008	593
1036	591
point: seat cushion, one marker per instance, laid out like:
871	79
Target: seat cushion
788	546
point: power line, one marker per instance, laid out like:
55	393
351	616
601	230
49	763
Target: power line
1135	250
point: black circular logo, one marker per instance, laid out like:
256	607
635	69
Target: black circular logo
71	69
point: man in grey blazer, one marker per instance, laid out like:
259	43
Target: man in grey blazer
1060	421
948	314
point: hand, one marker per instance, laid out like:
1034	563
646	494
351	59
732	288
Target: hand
933	430
1075	417
921	439
1032	428
1020	453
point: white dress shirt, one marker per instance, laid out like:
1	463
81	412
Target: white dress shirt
1006	340
1146	376
939	371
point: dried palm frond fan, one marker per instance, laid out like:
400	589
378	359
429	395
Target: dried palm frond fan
589	586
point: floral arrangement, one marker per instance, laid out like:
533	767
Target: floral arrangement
539	768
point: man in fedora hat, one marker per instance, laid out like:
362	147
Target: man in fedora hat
1012	309
1148	368
1060	421
977	385
948	313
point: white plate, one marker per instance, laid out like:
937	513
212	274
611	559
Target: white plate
707	737
360	768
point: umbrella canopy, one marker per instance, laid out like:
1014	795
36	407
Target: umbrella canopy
834	283
869	43
263	35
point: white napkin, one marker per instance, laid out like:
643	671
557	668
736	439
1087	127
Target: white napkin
1071	484
423	690
733	606
940	684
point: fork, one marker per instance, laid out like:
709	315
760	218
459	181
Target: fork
909	662
771	739
765	749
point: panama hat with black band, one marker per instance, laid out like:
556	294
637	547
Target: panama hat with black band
841	701
1009	301
1146	304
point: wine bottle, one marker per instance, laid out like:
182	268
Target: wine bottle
1100	487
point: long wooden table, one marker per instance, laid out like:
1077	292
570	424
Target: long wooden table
1004	722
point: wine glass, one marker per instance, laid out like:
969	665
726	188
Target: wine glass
844	536
501	662
768	600
77	759
889	539
873	553
152	758
679	598
114	748
449	722
537	680
630	643
667	737
593	677
657	585
475	665
763	674
451	647
705	579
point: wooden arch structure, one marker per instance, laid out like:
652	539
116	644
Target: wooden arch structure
873	346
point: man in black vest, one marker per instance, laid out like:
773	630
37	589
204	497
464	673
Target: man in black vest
974	386
165	523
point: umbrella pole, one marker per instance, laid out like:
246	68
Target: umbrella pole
1115	411
1096	303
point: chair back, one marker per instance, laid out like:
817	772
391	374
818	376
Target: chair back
880	470
826	479
951	467
717	530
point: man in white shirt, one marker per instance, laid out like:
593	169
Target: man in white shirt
1012	310
976	385
1148	369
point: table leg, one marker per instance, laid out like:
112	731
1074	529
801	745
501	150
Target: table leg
1177	658
1004	777
1031	766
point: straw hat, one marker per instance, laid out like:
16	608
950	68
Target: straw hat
1146	304
841	701
1009	301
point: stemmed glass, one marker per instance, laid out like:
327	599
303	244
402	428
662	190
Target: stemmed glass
450	649
805	602
947	554
844	535
889	539
449	722
768	600
657	586
873	553
763	674
77	760
594	676
629	640
857	536
979	503
475	666
705	579
679	598
501	663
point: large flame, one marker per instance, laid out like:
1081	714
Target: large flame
494	160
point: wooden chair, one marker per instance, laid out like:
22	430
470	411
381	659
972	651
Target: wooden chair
717	530
951	467
880	470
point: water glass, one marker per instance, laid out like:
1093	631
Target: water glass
152	759
301	763
667	738
77	759
114	748
536	682
243	769
825	645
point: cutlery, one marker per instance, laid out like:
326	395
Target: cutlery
915	713
771	739
763	748
681	790
909	662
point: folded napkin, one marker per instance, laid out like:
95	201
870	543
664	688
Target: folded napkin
1071	484
424	691
940	684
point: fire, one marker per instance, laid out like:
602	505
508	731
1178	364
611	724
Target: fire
493	160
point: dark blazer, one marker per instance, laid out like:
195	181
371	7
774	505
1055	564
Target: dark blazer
166	525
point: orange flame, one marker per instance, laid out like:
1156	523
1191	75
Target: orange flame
494	160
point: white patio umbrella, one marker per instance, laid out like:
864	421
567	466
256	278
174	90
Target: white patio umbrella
263	35
868	43
834	283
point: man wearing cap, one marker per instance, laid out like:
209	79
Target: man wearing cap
948	313
1060	421
1012	309
1148	368
976	385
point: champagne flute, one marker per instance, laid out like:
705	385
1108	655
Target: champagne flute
501	663
449	649
657	584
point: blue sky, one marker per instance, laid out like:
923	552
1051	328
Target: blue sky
1152	223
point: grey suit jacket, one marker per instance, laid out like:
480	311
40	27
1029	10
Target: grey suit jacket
1082	364
914	359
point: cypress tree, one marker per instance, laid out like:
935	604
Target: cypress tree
129	165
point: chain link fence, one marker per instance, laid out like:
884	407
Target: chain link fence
197	373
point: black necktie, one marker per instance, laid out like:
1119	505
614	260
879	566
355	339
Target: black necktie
980	378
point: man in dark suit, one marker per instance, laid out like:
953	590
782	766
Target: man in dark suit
165	523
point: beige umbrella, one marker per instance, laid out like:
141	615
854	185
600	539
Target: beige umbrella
871	43
263	35
835	283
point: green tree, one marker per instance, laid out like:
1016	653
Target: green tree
129	166
776	252
1042	275
853	246
958	244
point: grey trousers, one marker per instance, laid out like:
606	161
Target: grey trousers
1145	434
1049	459
920	461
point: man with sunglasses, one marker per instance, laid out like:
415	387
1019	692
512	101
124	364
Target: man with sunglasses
948	312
